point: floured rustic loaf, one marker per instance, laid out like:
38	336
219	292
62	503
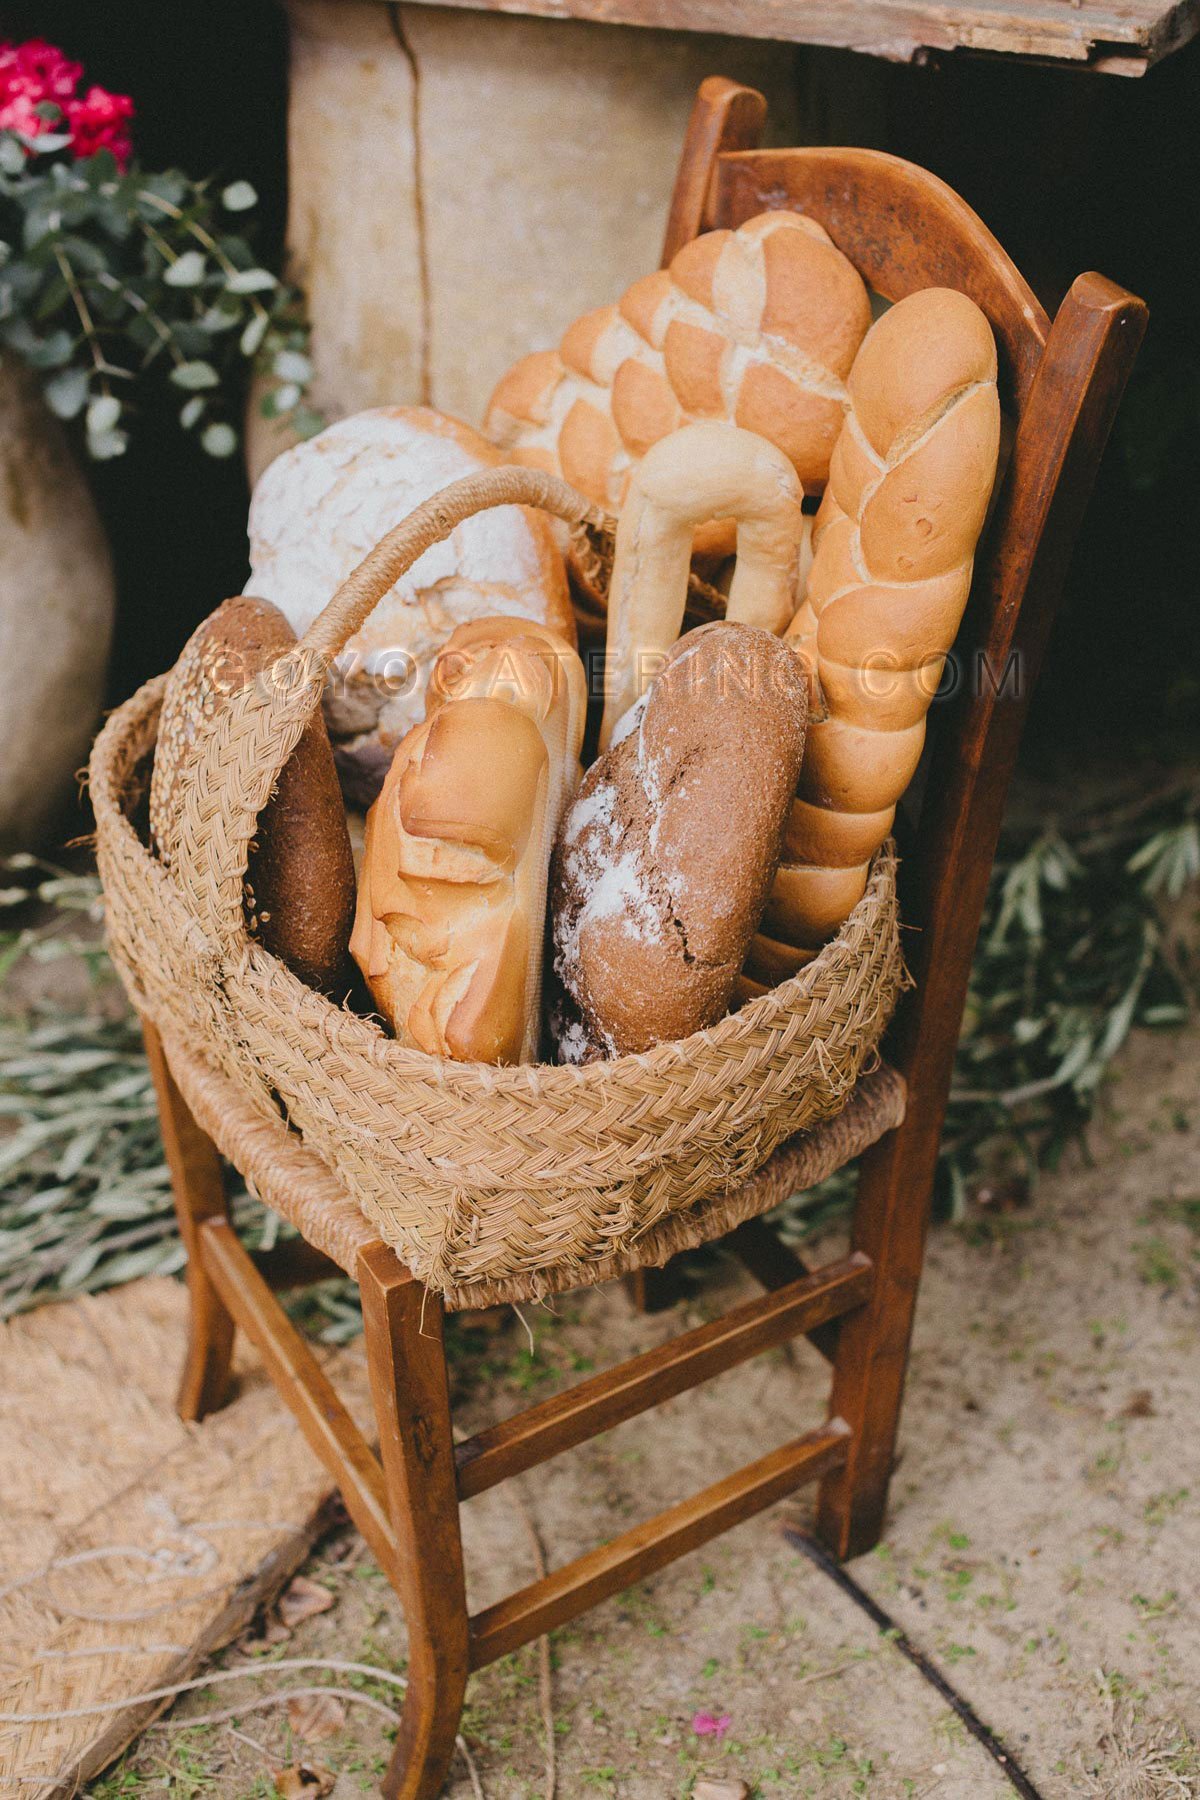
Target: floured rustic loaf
452	894
758	327
300	880
666	857
318	510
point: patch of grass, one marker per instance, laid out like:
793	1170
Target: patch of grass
1157	1264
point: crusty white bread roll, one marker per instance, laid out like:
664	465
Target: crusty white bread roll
894	541
667	854
701	472
299	887
758	327
452	890
318	510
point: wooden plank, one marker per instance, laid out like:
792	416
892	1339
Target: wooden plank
630	1558
1122	37
303	1386
644	1381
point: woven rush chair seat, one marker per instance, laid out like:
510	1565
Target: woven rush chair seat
295	1183
483	1179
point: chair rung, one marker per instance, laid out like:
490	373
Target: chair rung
303	1385
295	1263
773	1264
605	1400
579	1585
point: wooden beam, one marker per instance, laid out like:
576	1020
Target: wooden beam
630	1558
303	1386
617	1394
1117	37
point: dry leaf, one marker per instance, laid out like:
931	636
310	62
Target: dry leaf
274	1632
302	1599
1140	1405
304	1781
315	1717
730	1789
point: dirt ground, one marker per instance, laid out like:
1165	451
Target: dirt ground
1043	1544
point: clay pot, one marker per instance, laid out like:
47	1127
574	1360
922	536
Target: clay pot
56	615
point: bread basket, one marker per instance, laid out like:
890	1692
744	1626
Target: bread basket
478	1176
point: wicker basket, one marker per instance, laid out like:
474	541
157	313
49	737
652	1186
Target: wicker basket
472	1173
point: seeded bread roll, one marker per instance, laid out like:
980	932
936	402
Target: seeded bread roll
300	878
667	855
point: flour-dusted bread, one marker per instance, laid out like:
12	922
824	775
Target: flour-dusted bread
318	510
895	541
667	854
452	895
300	878
757	327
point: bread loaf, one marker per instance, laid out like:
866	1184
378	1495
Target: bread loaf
894	541
757	327
699	473
452	895
300	879
667	855
318	510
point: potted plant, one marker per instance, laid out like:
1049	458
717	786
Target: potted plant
121	290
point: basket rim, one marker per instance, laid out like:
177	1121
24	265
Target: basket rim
762	1013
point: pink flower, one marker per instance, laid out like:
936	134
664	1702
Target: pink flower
100	121
35	72
705	1725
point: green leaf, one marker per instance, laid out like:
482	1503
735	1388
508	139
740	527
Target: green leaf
12	154
105	445
66	392
191	411
195	375
291	365
254	333
238	197
250	281
48	141
187	270
219	439
102	414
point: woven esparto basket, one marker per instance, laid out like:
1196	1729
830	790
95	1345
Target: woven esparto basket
472	1173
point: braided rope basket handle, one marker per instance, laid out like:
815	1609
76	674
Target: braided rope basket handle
251	738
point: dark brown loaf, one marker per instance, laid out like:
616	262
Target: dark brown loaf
667	855
300	879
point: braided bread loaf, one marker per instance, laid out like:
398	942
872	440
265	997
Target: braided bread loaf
757	326
895	537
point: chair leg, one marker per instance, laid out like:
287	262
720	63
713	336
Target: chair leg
198	1184
895	1187
407	1364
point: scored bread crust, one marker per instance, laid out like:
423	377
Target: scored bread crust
299	889
758	327
894	540
452	891
321	507
667	854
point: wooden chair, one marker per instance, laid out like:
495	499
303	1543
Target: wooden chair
1060	385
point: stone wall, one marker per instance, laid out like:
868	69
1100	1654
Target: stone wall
463	184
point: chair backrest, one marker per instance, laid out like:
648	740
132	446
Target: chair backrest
1060	384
